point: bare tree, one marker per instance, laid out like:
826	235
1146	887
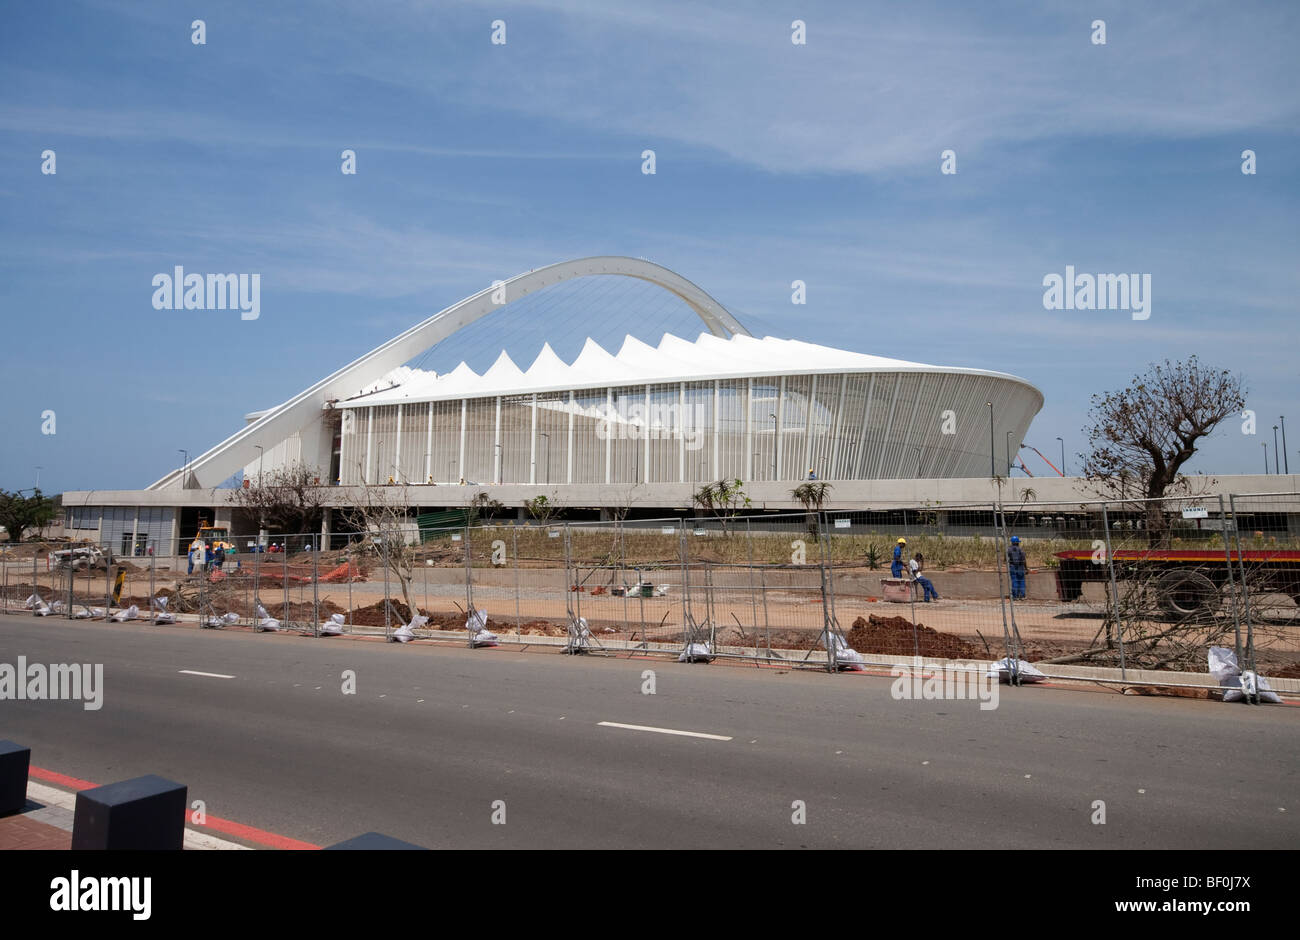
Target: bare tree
289	499
383	516
1142	436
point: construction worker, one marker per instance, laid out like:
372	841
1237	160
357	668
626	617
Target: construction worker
1018	568
812	474
916	566
896	567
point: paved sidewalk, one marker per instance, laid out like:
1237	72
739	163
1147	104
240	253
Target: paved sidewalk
38	826
46	823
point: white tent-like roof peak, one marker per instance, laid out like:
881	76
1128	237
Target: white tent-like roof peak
675	359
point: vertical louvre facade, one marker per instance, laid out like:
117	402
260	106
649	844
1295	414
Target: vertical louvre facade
842	425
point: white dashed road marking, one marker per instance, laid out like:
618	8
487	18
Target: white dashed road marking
686	734
210	675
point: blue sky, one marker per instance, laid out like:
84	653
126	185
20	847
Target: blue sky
775	162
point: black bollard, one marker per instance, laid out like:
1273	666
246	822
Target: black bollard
14	761
372	841
144	813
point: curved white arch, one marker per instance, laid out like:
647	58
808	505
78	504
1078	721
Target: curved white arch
276	424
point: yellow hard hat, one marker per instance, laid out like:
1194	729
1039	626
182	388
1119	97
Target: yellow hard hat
902	541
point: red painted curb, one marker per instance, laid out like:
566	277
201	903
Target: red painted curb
215	823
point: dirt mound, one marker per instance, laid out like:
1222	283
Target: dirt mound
372	615
1291	671
899	636
1175	692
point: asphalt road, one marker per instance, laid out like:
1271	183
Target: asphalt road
435	734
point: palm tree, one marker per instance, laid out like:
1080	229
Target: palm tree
813	496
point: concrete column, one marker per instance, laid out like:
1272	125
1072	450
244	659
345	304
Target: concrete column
370	442
609	431
749	430
572	407
428	449
717	431
497	446
464	405
778	462
681	438
397	449
532	437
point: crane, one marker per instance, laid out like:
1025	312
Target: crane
1044	459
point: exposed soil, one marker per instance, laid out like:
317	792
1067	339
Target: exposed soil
372	615
899	636
1174	692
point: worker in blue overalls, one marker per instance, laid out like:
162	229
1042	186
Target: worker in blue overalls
1016	565
896	567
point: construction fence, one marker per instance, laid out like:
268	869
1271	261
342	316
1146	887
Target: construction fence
1123	585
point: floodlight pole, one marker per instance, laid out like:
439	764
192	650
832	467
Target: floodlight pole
1286	463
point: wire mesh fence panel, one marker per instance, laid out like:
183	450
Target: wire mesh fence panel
494	580
1051	571
1171	583
758	583
606	597
919	590
1265	547
626	582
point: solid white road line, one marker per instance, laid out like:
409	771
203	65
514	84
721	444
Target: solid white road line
210	675
685	734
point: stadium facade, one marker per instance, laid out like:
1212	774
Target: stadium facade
726	405
662	419
680	412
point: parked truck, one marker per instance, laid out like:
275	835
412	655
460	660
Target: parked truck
1187	582
79	557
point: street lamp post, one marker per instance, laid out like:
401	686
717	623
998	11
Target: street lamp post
1062	456
1264	444
38	477
1286	464
546	455
1008	455
260	455
1275	469
185	467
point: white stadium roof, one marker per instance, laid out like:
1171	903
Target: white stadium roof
636	363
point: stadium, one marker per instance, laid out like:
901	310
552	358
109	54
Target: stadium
644	424
723	405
